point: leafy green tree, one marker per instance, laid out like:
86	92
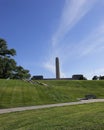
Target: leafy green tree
4	51
95	78
8	66
101	77
21	73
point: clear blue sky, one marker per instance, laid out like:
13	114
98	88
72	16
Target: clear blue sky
40	30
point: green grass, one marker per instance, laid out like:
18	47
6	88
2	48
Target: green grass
15	93
78	117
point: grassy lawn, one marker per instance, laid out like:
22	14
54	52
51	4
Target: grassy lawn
79	117
15	93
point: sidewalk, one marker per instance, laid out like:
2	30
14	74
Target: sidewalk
2	111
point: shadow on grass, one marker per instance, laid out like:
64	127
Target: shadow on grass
2	106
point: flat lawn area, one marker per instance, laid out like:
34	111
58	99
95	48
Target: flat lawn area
15	93
78	117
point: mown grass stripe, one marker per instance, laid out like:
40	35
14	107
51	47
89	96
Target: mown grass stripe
80	117
15	93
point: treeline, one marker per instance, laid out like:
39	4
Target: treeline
98	77
8	66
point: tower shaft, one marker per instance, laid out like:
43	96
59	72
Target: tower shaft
57	68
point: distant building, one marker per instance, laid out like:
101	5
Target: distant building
78	77
37	77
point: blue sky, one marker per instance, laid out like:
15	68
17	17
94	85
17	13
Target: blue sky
40	30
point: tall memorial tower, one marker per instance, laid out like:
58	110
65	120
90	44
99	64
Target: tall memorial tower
57	68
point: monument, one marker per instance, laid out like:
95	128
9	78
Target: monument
57	68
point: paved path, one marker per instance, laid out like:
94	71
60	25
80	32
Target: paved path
2	111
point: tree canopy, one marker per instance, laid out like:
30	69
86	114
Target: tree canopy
8	66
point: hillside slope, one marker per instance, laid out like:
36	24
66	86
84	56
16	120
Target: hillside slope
15	93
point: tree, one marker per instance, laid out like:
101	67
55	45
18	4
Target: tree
8	66
4	51
95	78
21	73
101	77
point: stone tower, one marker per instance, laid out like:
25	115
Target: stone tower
57	68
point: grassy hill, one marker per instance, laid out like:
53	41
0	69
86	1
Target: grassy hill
14	93
78	117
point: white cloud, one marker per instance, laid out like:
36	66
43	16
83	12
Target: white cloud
74	10
91	44
94	42
99	71
50	66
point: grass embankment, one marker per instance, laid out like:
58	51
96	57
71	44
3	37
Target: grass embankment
14	93
79	117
